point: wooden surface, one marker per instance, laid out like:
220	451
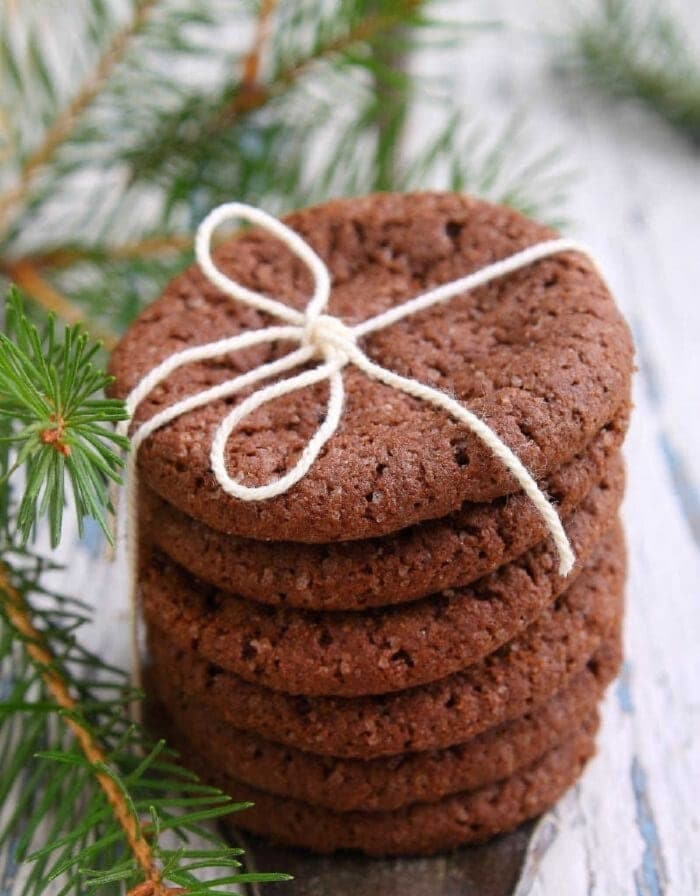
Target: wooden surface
632	826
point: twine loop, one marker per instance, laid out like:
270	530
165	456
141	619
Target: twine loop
330	344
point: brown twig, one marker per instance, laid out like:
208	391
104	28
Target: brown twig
28	278
66	120
390	120
249	100
26	270
65	257
6	151
253	58
19	614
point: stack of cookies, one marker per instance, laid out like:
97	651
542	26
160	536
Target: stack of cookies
386	658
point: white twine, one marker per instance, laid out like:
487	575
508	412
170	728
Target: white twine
334	344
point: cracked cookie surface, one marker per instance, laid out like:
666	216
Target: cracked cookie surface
542	355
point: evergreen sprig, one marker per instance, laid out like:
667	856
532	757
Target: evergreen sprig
90	802
57	426
640	51
317	107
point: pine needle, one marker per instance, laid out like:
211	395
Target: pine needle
107	793
64	124
58	429
639	51
152	140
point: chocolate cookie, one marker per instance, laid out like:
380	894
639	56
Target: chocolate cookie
542	355
352	654
393	782
508	683
423	828
355	575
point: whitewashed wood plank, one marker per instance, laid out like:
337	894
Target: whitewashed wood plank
629	827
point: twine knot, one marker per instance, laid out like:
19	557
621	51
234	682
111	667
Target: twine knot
326	339
330	337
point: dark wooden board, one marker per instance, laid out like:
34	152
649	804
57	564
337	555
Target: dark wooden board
492	869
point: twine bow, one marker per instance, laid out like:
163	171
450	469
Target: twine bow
334	345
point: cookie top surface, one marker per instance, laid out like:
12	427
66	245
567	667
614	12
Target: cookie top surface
542	355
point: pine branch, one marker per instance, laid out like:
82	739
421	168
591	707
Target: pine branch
253	58
19	617
97	799
87	798
56	426
64	124
393	96
267	135
641	52
365	29
237	104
